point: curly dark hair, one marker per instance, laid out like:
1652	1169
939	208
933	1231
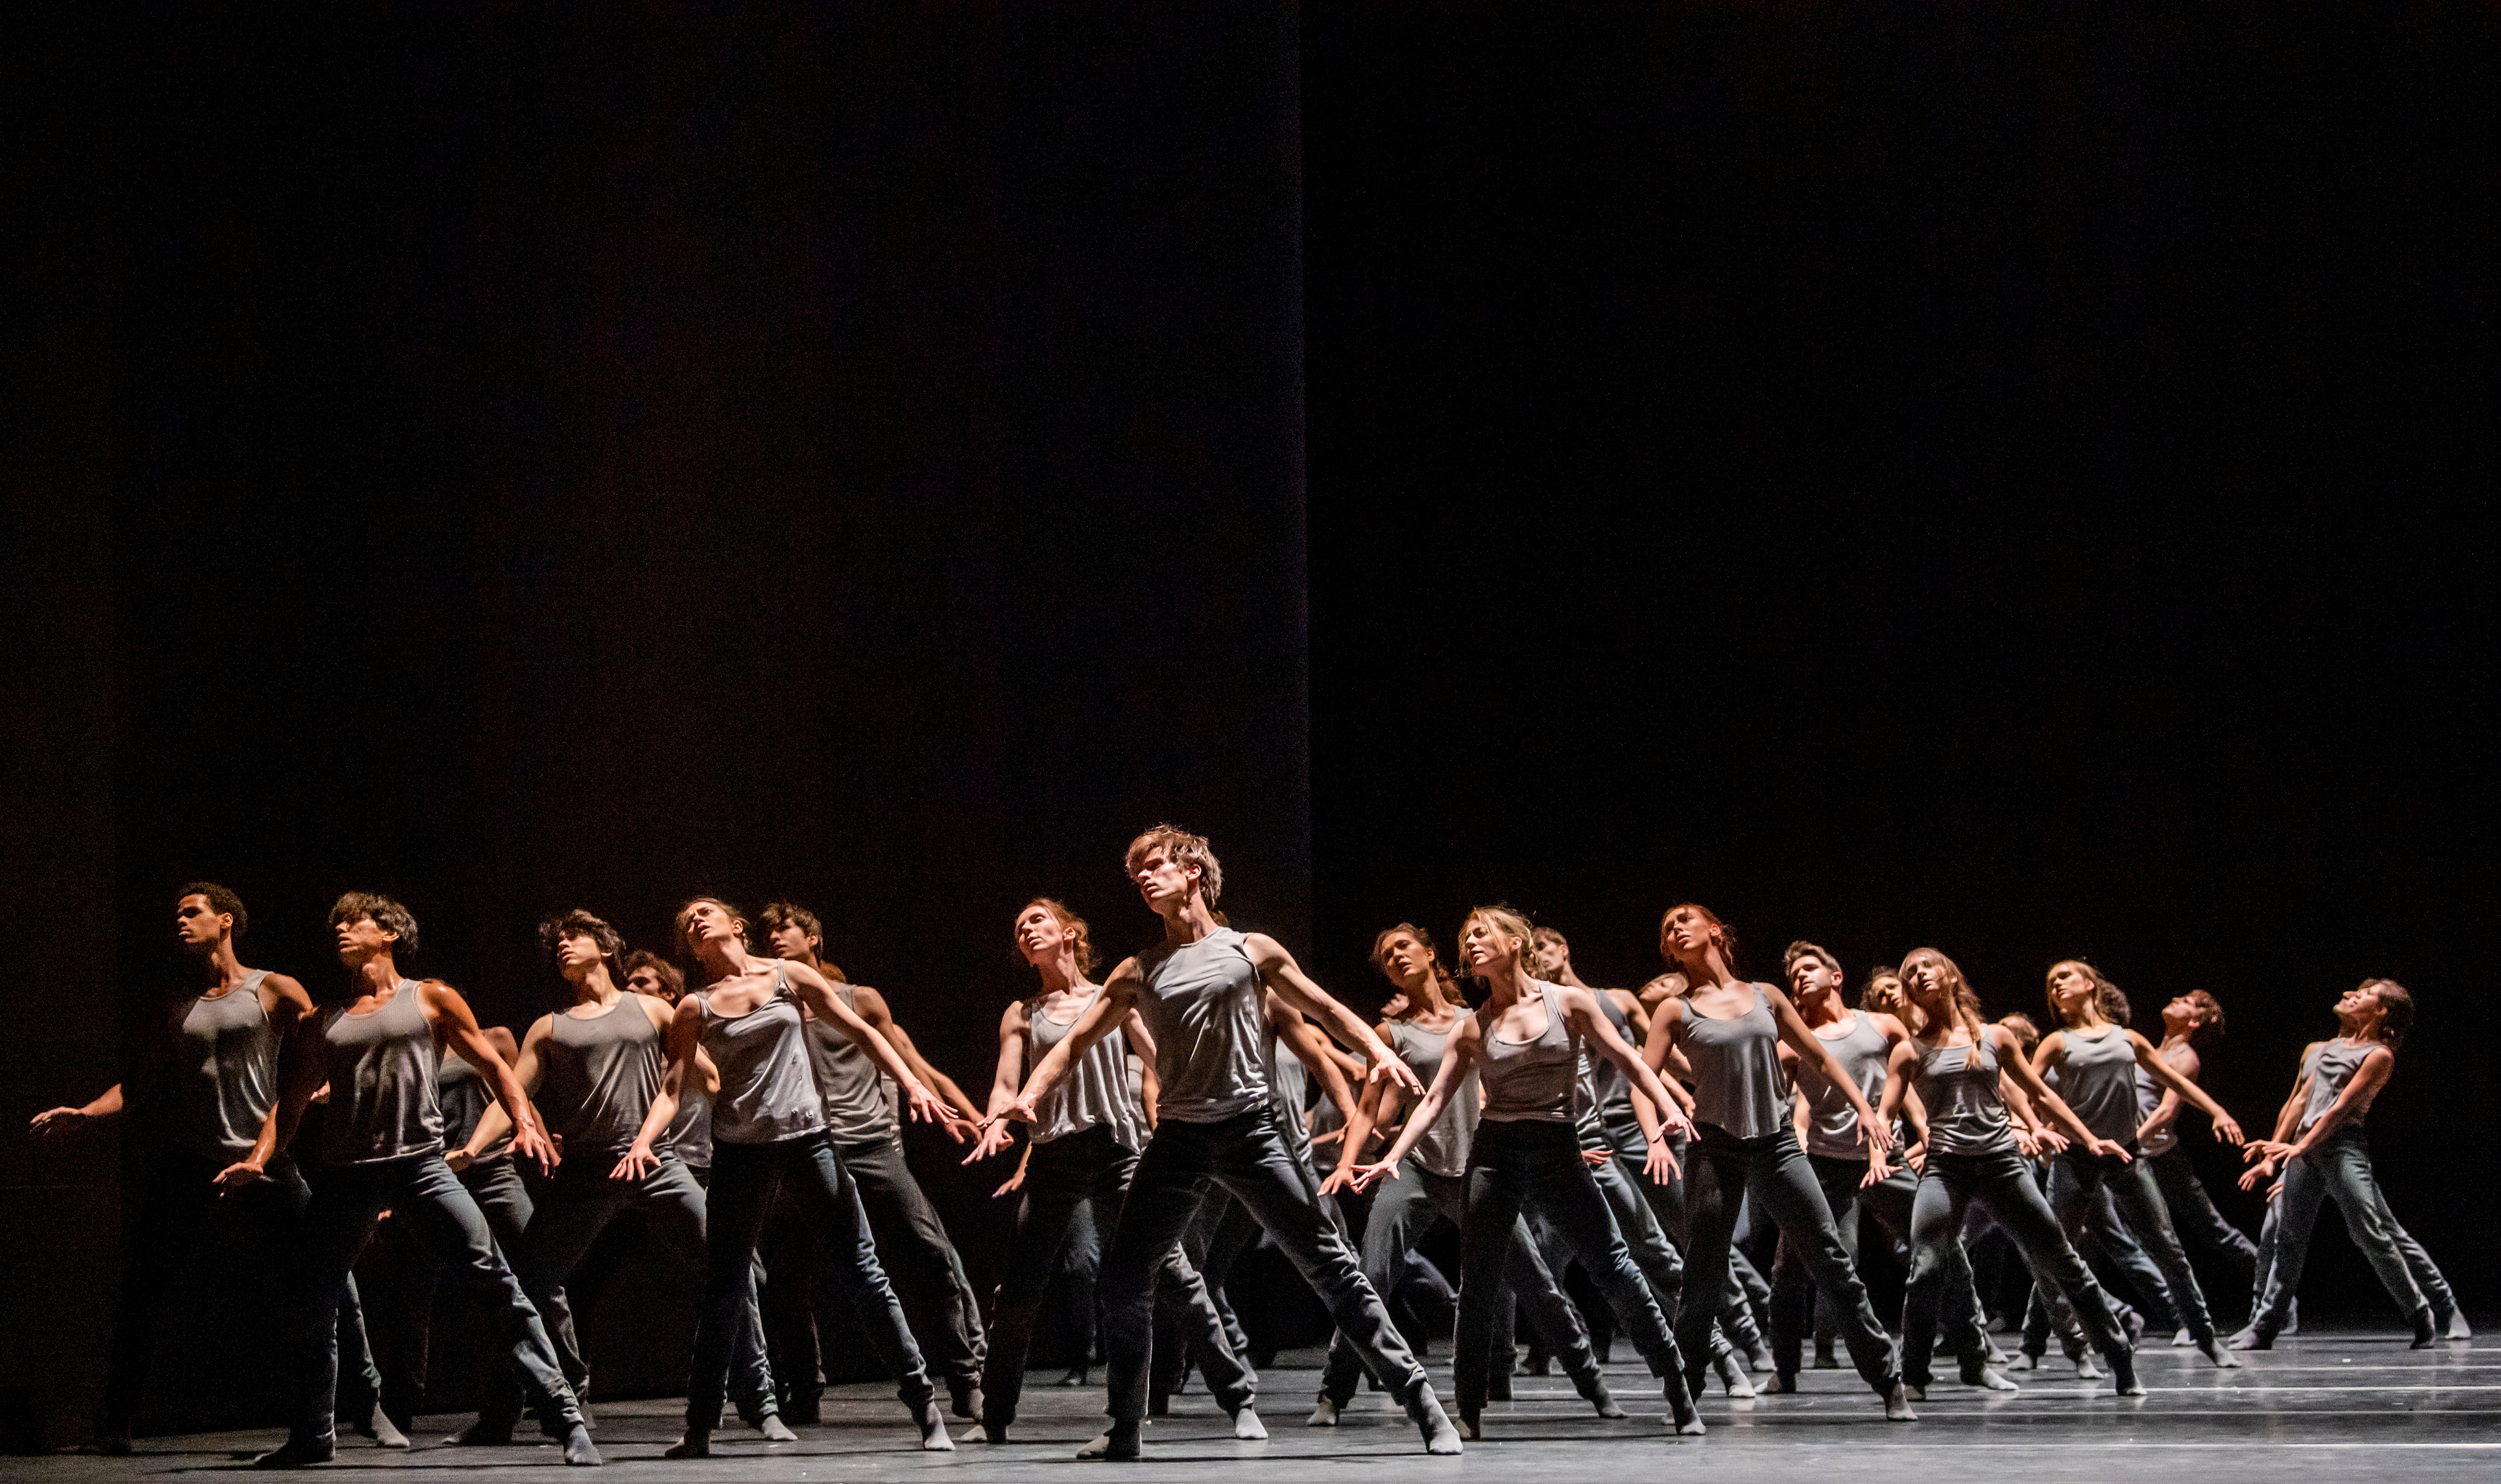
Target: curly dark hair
221	901
386	913
581	924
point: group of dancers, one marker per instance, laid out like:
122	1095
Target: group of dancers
1631	1133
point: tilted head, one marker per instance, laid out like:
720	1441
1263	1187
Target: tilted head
577	941
1491	937
648	973
1689	930
1168	862
368	924
1045	926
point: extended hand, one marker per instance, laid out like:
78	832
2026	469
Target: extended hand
58	1120
2110	1148
1368	1175
994	1136
236	1176
2049	1140
2229	1130
531	1143
634	1164
1013	1181
1878	1169
459	1158
1019	1110
1878	1137
2257	1173
927	1108
1660	1164
1389	1068
1343	1177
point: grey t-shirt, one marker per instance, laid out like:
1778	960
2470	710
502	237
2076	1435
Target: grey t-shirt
2331	1067
1531	1079
1205	1006
1442	1148
1966	1113
1832	1123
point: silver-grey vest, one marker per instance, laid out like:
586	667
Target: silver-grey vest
1738	1087
1531	1079
853	1084
1095	1092
227	1074
2331	1067
2097	1078
1832	1123
767	1094
1966	1114
381	1068
1204	1005
602	1073
1442	1148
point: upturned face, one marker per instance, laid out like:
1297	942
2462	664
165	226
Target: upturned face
709	922
1486	946
1810	975
1551	956
1886	996
1041	935
2071	988
1161	881
1405	961
1685	933
362	940
576	953
647	981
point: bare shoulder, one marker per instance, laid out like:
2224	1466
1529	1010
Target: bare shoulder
1265	951
1891	1027
1126	976
1015	1019
868	1001
280	988
660	1012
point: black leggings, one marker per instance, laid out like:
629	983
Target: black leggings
2002	1183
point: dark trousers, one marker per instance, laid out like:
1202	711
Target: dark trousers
445	1217
1060	1176
1666	1202
1888	1201
1068	1310
1526	1165
919	1256
2078	1180
578	1205
2338	1169
2003	1183
1773	1169
2200	1225
406	1339
1402	1205
164	1229
1219	1232
1248	1156
743	1180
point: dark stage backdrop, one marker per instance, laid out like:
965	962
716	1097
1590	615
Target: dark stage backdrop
2010	478
585	458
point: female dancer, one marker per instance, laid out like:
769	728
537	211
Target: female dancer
2098	1063
1731	1032
2321	1148
1433	1181
2188	1021
1958	1063
1084	1146
768	1131
1523	1045
1203	992
596	1073
1836	1151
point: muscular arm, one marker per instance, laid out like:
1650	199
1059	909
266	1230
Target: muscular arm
2364	1085
1281	974
817	992
874	1009
458	1029
1014	1026
1314	1051
1110	1010
494	1123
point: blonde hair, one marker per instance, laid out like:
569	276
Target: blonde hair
1505	919
1965	1000
1183	850
2108	997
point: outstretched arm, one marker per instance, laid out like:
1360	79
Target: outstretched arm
1314	1051
1109	1010
494	1123
1379	1105
681	1058
874	1009
996	1135
1280	972
2010	1056
1581	1012
459	1028
60	1120
817	994
2151	1059
1459	1058
1793	1030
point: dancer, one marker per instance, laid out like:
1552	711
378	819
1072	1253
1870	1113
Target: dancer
2097	1062
912	1241
382	1148
207	1100
2322	1153
2188	1021
601	1065
1433	1180
1730	1032
768	1131
1609	1130
1964	1070
1201	992
1523	1045
1861	1041
1084	1147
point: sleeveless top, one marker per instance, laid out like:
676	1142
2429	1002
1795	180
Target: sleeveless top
226	1073
381	1068
2148	1097
853	1084
1289	1089
1832	1123
1736	1084
602	1073
1532	1079
2330	1068
1203	1004
462	1096
1095	1092
1442	1148
1966	1114
1605	1093
691	1131
767	1094
2097	1078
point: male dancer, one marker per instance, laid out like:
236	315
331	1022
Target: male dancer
867	1138
1862	1042
1202	994
382	1147
207	1102
2189	1021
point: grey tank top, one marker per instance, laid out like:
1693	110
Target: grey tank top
1534	1080
1736	1084
767	1094
1201	1003
227	1075
1290	1088
853	1084
602	1073
1095	1092
382	1069
691	1131
1442	1148
2148	1097
1966	1114
1832	1123
2331	1067
2097	1078
1605	1093
462	1096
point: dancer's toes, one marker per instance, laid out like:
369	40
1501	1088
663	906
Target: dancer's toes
1897	1405
1323	1414
774	1430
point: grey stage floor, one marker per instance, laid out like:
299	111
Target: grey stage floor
2323	1406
